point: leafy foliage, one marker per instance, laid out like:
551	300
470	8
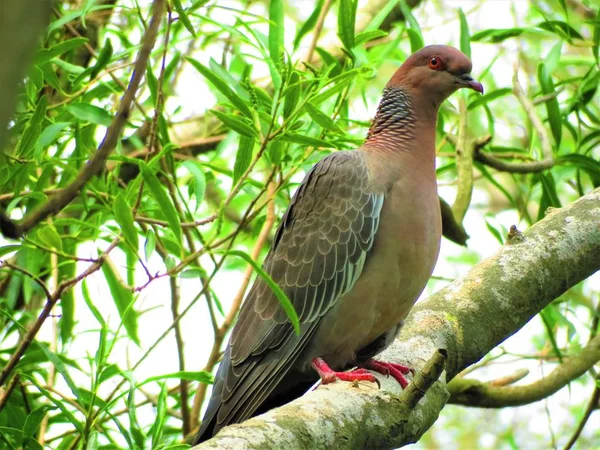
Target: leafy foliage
230	114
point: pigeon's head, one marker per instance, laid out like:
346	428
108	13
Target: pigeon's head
435	71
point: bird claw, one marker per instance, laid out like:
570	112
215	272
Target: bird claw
397	371
328	375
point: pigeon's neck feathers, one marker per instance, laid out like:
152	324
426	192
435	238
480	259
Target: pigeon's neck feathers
403	123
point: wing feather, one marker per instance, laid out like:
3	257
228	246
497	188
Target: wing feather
319	252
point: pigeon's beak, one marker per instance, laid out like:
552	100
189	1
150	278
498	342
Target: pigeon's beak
467	81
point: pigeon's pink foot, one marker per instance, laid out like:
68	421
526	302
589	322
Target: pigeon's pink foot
328	375
386	368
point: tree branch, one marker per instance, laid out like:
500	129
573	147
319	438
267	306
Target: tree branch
113	134
470	392
468	318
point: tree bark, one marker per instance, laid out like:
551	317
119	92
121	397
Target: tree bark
468	318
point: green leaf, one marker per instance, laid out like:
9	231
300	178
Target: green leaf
276	28
161	416
67	270
367	36
61	368
322	119
490	96
46	54
308	24
494	35
150	244
90	113
283	299
414	31
201	377
243	157
90	303
596	44
552	106
152	82
561	29
465	36
416	41
306	140
124	218
185	20
50	237
123	298
103	58
291	95
33	421
195	168
347	22
222	87
51	132
236	123
163	200
31	134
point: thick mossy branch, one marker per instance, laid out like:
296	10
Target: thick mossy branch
468	318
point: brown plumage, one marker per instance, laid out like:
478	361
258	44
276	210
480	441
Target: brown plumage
353	252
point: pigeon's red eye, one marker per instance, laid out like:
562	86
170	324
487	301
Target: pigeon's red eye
435	63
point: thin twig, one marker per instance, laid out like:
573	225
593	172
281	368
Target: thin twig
318	29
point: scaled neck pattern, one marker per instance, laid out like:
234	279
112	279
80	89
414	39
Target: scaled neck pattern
394	117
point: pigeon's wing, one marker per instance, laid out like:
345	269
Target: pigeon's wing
318	253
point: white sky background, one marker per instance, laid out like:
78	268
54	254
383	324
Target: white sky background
194	99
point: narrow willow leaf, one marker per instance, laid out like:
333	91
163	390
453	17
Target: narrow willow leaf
347	22
46	54
103	58
195	168
150	244
123	298
283	299
34	420
495	35
276	28
416	41
596	45
51	132
222	87
308	24
490	96
152	82
414	31
60	404
561	29
90	113
367	36
243	157
30	137
322	119
90	303
60	368
124	218
163	200
50	237
66	271
202	377
161	416
552	107
465	35
291	95
243	127
185	20
306	140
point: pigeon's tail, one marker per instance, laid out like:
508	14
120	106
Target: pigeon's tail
292	386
